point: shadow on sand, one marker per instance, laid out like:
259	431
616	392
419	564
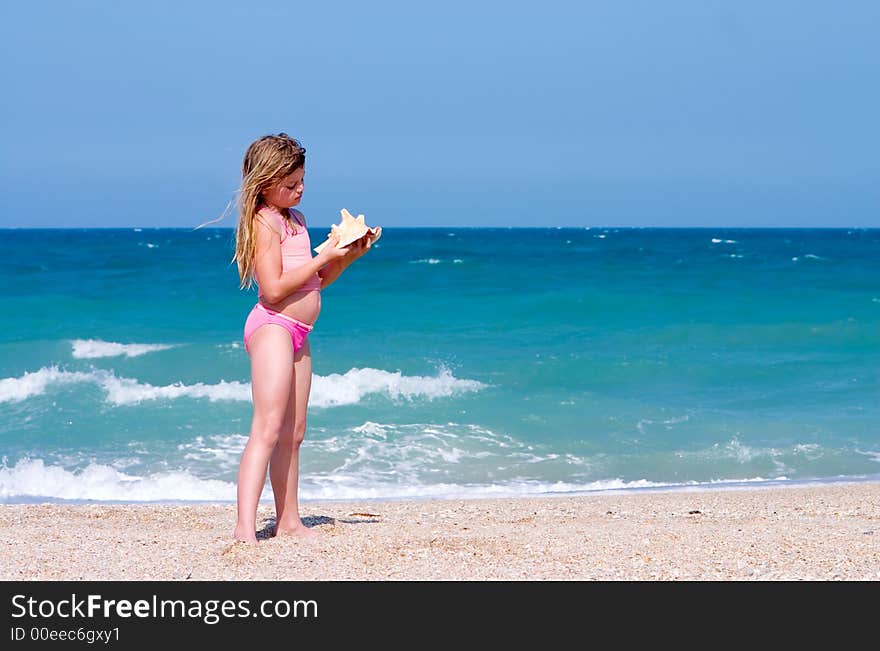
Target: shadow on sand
268	530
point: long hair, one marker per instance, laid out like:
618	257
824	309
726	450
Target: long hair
268	160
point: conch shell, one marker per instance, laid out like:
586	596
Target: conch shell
349	230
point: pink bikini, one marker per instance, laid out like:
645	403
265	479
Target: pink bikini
296	250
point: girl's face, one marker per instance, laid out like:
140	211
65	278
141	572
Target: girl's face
288	191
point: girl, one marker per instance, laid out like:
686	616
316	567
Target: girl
272	247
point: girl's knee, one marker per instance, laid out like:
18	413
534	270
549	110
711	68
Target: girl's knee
267	432
299	433
293	438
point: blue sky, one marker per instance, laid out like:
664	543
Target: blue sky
615	113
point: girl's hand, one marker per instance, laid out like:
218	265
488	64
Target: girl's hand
331	253
357	249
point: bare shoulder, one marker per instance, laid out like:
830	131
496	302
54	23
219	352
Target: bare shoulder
267	222
299	215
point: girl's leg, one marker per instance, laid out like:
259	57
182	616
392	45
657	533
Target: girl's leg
271	381
284	465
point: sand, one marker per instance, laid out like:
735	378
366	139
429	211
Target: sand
809	532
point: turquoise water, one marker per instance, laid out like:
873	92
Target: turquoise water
448	362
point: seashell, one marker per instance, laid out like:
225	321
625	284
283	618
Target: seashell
350	229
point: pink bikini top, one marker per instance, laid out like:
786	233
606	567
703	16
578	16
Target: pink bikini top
296	247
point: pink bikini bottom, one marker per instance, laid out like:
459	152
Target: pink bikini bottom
261	315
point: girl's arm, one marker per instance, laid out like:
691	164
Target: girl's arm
331	272
334	269
274	284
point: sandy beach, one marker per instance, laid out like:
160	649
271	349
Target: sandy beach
812	532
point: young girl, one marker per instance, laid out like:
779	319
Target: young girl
272	248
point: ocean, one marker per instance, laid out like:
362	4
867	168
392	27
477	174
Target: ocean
448	362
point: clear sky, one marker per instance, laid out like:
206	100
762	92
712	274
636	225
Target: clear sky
608	113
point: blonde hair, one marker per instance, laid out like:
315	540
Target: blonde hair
268	160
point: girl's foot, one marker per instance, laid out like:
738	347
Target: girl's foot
301	531
241	535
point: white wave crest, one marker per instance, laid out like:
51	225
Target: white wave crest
125	391
120	391
348	389
327	391
16	389
91	348
373	429
32	478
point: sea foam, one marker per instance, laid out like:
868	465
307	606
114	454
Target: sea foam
31	479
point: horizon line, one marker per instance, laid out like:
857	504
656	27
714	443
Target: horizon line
229	228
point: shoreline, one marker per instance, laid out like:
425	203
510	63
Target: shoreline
733	485
828	531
